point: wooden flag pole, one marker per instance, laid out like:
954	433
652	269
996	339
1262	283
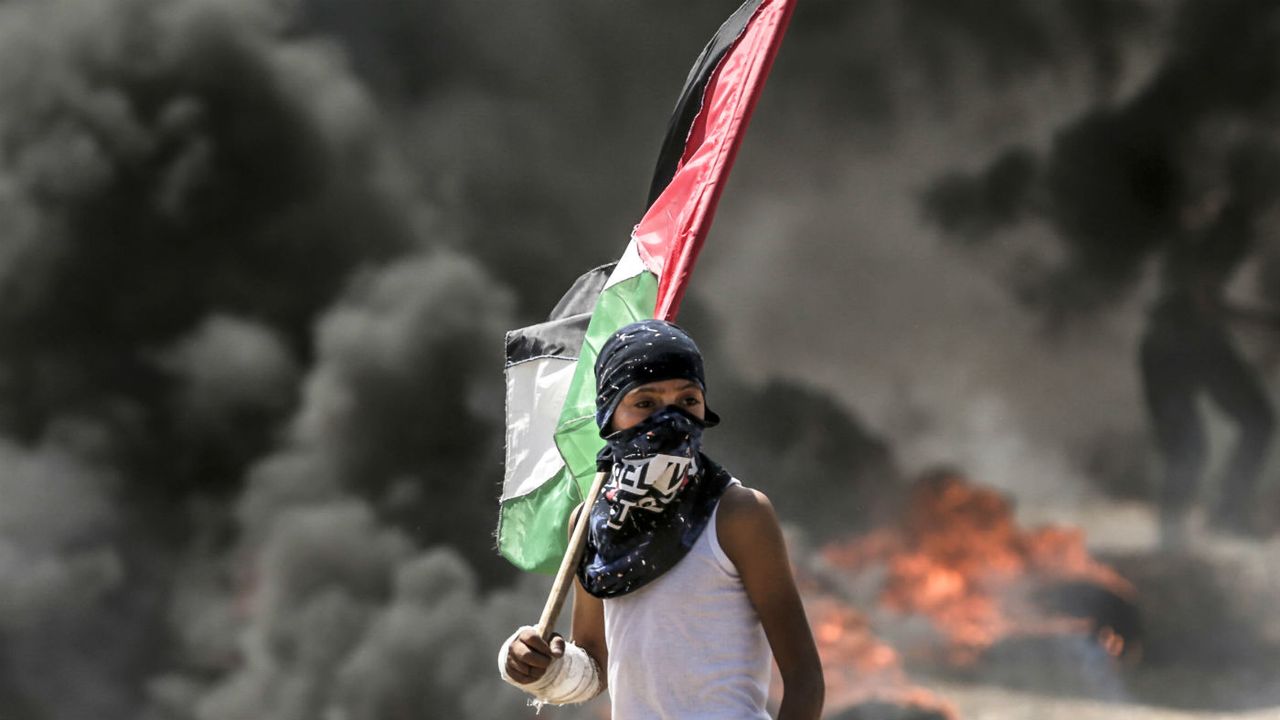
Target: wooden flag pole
564	577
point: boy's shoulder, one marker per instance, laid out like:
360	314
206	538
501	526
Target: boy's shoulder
738	498
743	514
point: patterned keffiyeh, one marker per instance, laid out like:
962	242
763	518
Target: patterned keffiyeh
655	505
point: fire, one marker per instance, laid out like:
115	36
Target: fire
845	640
959	559
858	668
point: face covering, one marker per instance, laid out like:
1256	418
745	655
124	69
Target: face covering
661	489
651	463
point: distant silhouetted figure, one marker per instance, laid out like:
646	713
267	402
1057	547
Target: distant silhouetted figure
1187	350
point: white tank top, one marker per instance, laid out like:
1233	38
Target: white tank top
689	644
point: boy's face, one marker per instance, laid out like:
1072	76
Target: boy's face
644	400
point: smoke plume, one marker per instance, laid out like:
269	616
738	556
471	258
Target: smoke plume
1122	183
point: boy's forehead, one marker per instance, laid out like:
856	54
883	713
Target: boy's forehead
661	385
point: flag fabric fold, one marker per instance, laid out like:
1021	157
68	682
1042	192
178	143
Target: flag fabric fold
552	439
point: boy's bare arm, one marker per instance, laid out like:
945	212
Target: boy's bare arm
751	537
588	620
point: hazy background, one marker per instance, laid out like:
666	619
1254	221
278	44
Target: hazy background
257	258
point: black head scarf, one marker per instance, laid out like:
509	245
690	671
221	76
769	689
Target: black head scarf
645	352
661	489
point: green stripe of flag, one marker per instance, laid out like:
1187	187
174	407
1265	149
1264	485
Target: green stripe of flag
532	528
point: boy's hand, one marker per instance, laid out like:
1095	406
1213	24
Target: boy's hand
529	655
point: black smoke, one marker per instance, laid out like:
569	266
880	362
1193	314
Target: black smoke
214	266
1122	183
820	466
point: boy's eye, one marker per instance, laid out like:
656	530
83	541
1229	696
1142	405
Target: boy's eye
692	400
644	404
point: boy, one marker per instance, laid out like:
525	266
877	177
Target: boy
684	587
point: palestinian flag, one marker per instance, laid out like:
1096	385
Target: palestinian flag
552	439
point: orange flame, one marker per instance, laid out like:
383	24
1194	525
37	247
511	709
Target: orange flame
959	559
858	667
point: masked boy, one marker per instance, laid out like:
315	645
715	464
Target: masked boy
684	592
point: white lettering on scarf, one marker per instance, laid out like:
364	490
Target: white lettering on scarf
646	483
